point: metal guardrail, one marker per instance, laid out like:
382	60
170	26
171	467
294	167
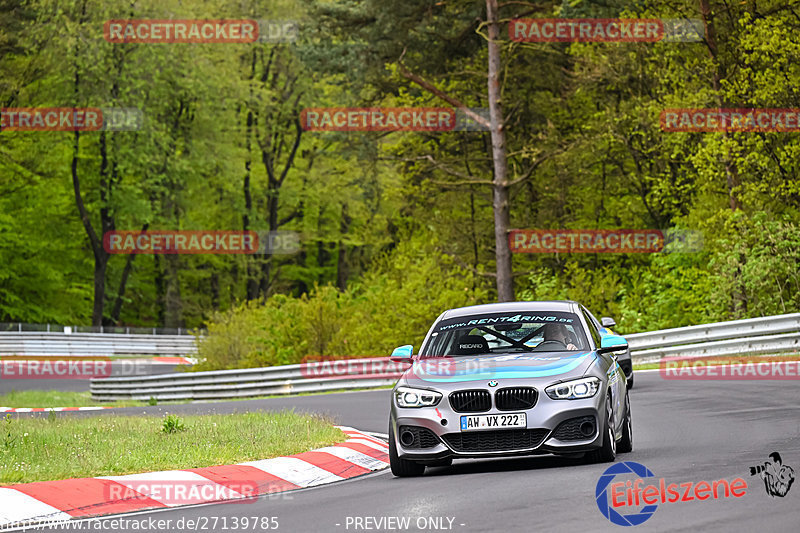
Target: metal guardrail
95	344
20	327
776	334
771	334
731	329
249	382
768	344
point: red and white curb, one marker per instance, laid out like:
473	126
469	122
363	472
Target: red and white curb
174	360
56	501
43	409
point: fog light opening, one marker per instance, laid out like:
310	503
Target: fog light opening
587	429
406	438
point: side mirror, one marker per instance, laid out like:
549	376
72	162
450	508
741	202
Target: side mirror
402	354
608	322
612	343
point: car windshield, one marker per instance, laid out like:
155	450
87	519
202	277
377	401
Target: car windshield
506	333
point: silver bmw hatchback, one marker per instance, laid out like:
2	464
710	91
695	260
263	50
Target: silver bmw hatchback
520	378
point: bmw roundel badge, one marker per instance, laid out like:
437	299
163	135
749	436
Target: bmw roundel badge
492	383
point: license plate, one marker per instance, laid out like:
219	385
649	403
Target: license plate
510	420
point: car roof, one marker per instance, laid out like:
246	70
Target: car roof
564	306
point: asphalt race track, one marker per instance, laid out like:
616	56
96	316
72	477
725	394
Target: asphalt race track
684	431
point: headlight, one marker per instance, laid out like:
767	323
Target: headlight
574	390
408	397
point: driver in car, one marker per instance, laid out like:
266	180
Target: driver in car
558	333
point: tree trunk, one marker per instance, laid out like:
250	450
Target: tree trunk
123	282
739	300
99	290
251	280
731	171
505	279
100	255
172	295
341	260
159	282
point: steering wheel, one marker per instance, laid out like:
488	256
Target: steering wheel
564	346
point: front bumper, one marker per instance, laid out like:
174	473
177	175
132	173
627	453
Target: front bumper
543	419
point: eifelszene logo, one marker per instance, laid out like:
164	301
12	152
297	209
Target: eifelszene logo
601	494
628	495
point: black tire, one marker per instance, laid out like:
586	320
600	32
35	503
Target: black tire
608	451
630	381
402	467
625	444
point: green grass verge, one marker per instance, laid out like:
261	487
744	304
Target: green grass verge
54	398
61	447
710	361
34	398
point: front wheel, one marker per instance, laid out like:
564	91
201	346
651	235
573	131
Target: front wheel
626	443
608	451
402	467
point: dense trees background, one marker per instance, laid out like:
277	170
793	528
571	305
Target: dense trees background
396	226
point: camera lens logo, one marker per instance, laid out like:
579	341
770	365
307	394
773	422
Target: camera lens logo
778	477
601	494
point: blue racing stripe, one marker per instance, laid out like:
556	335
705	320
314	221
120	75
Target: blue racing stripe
498	371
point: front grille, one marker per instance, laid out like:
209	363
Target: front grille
571	429
423	437
495	441
470	401
514	398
